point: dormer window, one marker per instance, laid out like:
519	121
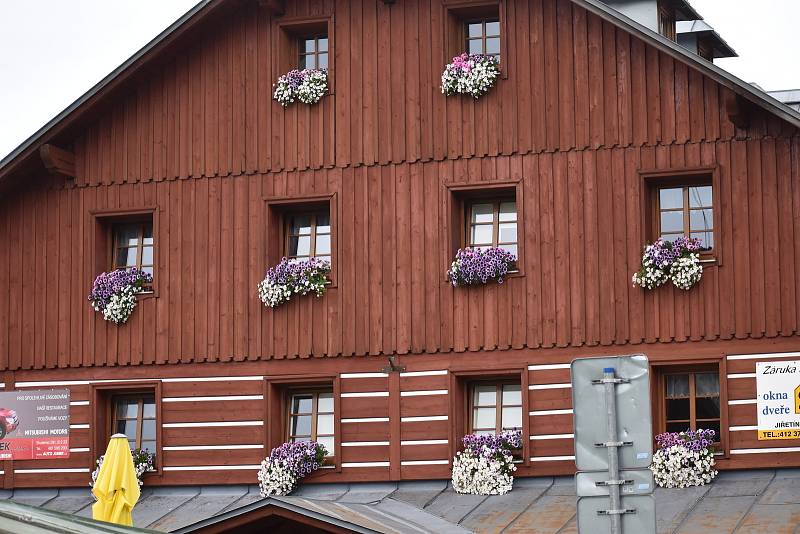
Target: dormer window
666	20
313	52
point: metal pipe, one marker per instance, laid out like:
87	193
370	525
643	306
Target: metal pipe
612	448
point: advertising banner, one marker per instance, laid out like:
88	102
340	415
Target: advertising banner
778	387
34	425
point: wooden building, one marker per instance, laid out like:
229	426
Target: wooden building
182	156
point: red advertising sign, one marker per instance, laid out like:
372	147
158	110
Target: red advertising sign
34	425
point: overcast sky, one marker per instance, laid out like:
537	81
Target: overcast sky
52	51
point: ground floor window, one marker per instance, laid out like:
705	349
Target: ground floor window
691	400
495	406
135	416
310	417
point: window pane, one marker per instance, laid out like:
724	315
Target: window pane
322	44
671	198
323	223
126	257
481	234
677	409
328	443
474	29
672	221
512	417
301	425
677	427
148	234
322	61
493	28
701	219
148	270
706	407
127	408
706	239
706	384
508	211
325	402
301	404
300	224
484	432
512	395
508	233
150	446
482	213
306	62
149	409
323	245
128	235
484	396
309	46
713	425
300	246
700	196
511	248
127	427
484	418
147	255
149	429
493	45
677	385
475	46
325	424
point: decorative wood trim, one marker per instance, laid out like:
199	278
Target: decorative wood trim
57	160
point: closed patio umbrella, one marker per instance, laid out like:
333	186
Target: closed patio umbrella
116	487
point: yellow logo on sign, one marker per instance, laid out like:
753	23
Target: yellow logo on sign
797	399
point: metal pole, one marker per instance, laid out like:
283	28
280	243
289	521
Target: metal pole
613	449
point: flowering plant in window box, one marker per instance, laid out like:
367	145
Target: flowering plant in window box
293	277
307	86
470	74
144	461
677	261
486	465
684	459
479	266
287	464
114	293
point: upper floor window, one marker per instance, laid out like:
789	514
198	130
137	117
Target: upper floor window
692	401
686	211
135	416
493	223
666	20
308	235
483	37
311	418
494	407
313	52
133	246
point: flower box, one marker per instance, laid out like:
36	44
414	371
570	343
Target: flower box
684	459
479	266
307	86
293	277
287	464
143	462
677	261
114	293
486	465
470	74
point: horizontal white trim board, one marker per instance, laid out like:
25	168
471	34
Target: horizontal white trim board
364	443
763	356
424	373
741	401
545	367
54	470
366	394
363	375
741	375
563	385
423	393
80	449
212	423
213	468
423	418
212	447
107	380
425	462
424	442
251	378
552	436
85	425
211	399
551	458
551	412
365	464
366	420
765	450
79	403
742	428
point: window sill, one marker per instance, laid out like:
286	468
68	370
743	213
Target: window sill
143	295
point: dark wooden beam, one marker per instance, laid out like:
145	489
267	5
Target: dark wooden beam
57	160
276	7
739	110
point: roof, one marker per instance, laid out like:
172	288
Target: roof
790	97
702	28
756	501
16	518
27	150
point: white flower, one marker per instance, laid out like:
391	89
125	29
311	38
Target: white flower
679	467
478	475
120	306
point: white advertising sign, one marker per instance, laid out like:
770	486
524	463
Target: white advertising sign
778	387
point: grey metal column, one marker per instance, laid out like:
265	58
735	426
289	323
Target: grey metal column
612	446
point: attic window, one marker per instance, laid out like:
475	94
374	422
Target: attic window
666	20
475	28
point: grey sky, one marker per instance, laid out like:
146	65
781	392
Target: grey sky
52	51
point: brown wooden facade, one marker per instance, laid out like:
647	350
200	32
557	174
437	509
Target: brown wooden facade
585	116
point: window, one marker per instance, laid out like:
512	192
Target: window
135	416
483	37
308	235
492	224
692	400
495	407
686	211
133	246
311	418
666	20
313	52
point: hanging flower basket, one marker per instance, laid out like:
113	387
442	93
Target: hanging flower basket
470	74
292	277
143	461
480	266
307	86
486	465
677	261
114	293
287	464
684	459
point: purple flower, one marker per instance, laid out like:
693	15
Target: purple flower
107	285
478	266
493	445
301	457
694	440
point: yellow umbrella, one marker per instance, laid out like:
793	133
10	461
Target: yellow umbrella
116	487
